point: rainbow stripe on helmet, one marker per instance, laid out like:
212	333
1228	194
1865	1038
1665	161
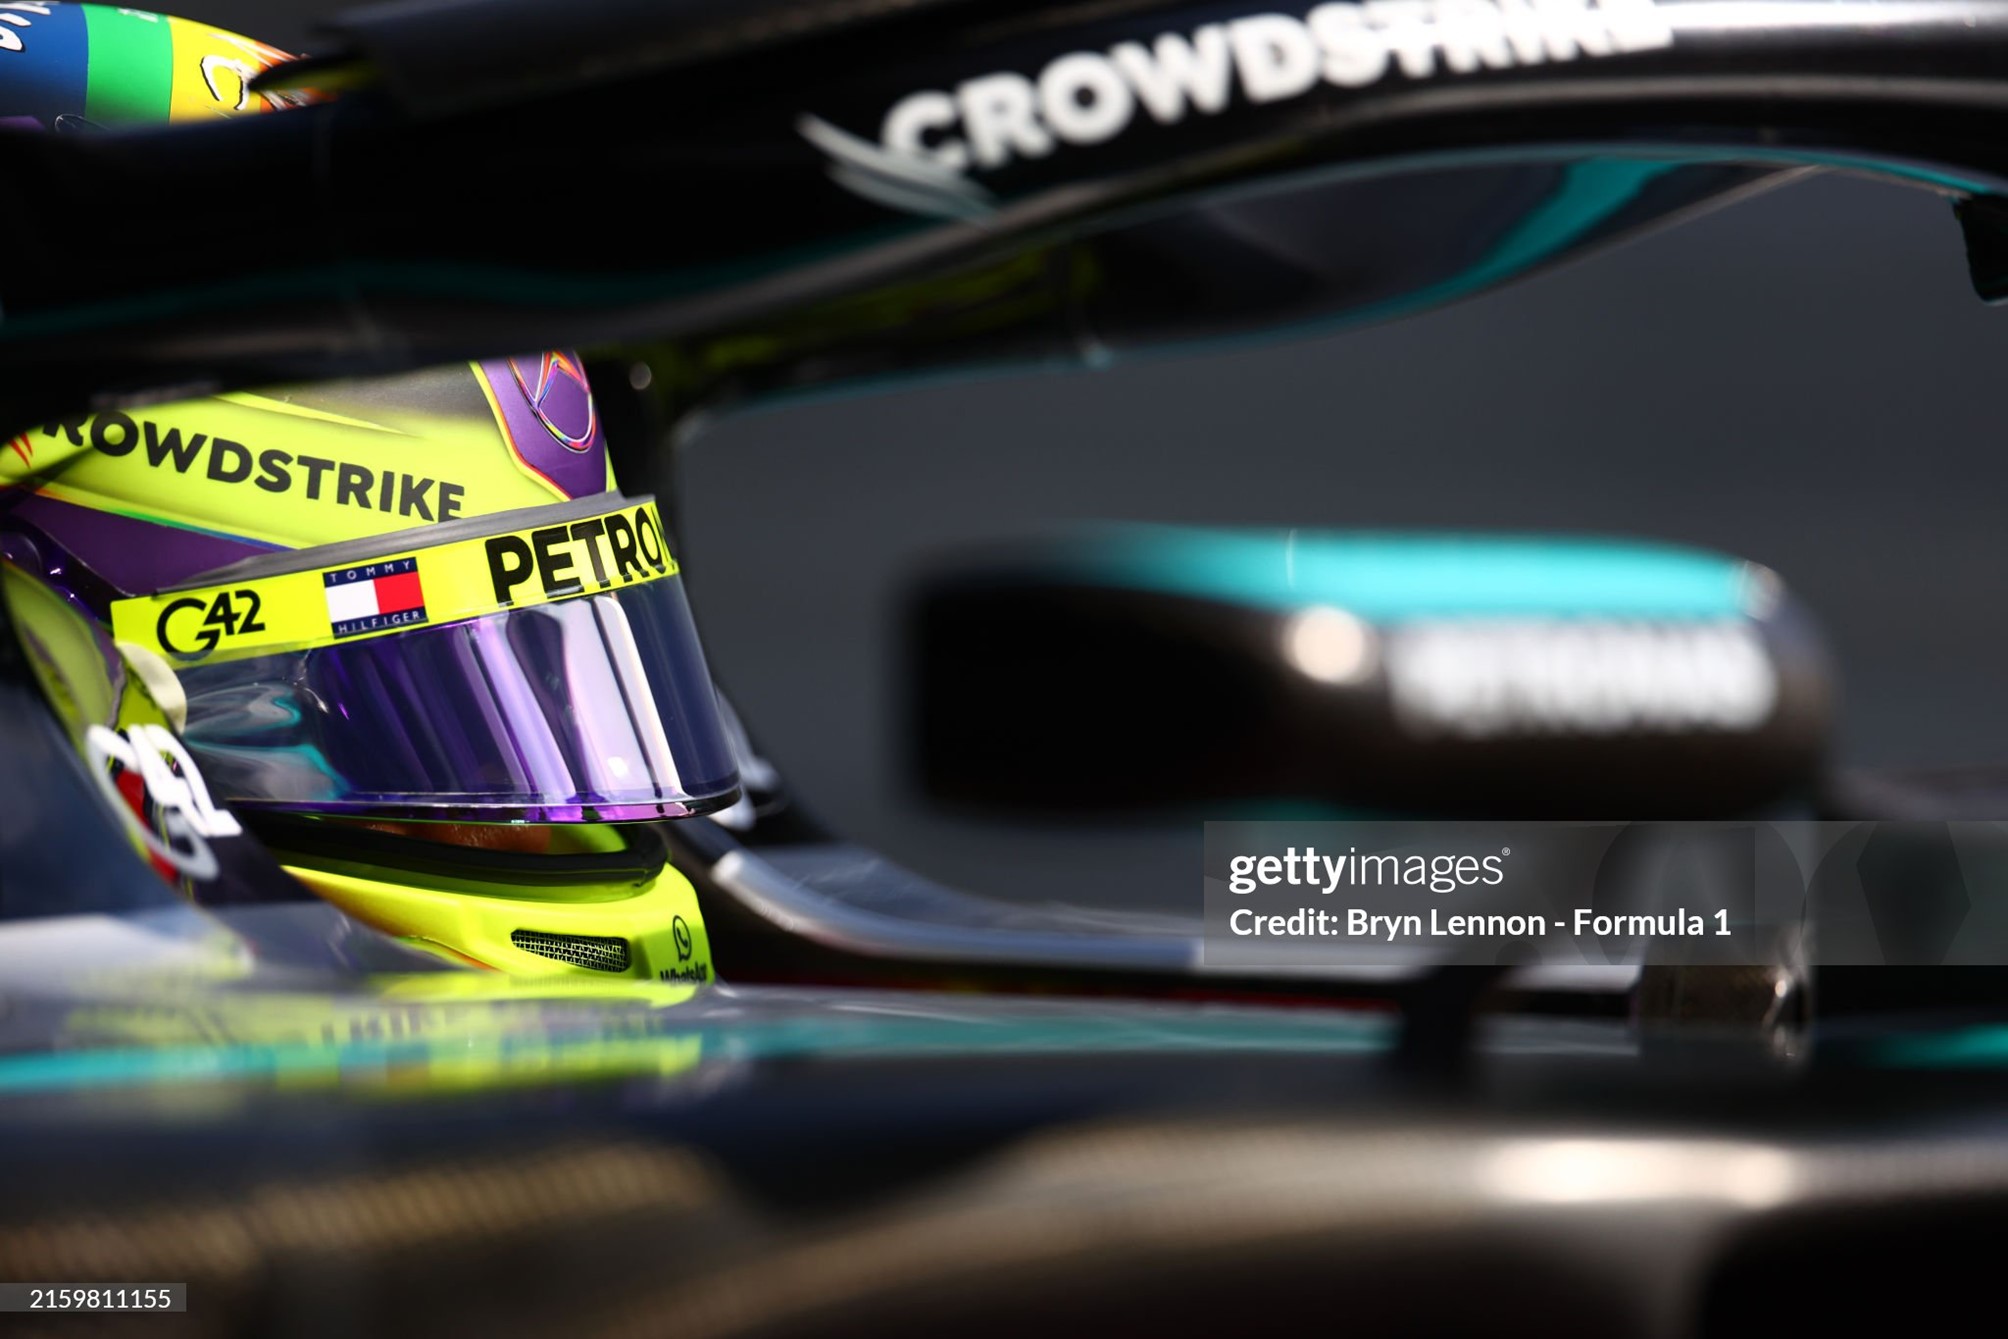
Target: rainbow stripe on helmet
116	67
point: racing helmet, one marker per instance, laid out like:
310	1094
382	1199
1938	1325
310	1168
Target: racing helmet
418	597
368	603
582	902
80	67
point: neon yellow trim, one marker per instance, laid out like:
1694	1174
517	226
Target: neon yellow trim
251	401
418	587
63	649
260	469
658	919
423	1033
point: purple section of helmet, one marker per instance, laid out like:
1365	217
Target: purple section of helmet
58	576
551	420
19	123
136	556
20	550
60	571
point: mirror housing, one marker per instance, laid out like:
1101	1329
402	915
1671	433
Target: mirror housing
1162	671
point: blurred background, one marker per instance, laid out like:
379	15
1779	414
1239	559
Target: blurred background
1804	379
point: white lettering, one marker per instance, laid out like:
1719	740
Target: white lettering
1174	71
1409	29
912	119
1091	97
1484	679
1084	99
1275	56
1636	25
999	114
1354	55
1472	35
1668	924
187	815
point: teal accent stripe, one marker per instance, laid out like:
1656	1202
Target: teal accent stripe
1983	1046
522	1057
1590	193
1390	577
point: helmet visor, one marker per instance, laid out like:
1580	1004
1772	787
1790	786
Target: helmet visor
585	705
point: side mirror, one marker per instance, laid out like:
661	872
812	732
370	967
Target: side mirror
1172	671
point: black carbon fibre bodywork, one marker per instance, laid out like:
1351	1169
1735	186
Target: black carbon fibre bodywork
688	197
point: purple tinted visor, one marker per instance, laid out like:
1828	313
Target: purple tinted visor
597	708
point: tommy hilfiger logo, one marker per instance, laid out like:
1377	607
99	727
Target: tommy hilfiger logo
370	597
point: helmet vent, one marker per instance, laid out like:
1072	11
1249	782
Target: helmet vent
593	952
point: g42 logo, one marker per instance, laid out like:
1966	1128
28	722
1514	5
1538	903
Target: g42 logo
150	779
228	614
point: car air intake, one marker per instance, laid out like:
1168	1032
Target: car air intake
596	953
